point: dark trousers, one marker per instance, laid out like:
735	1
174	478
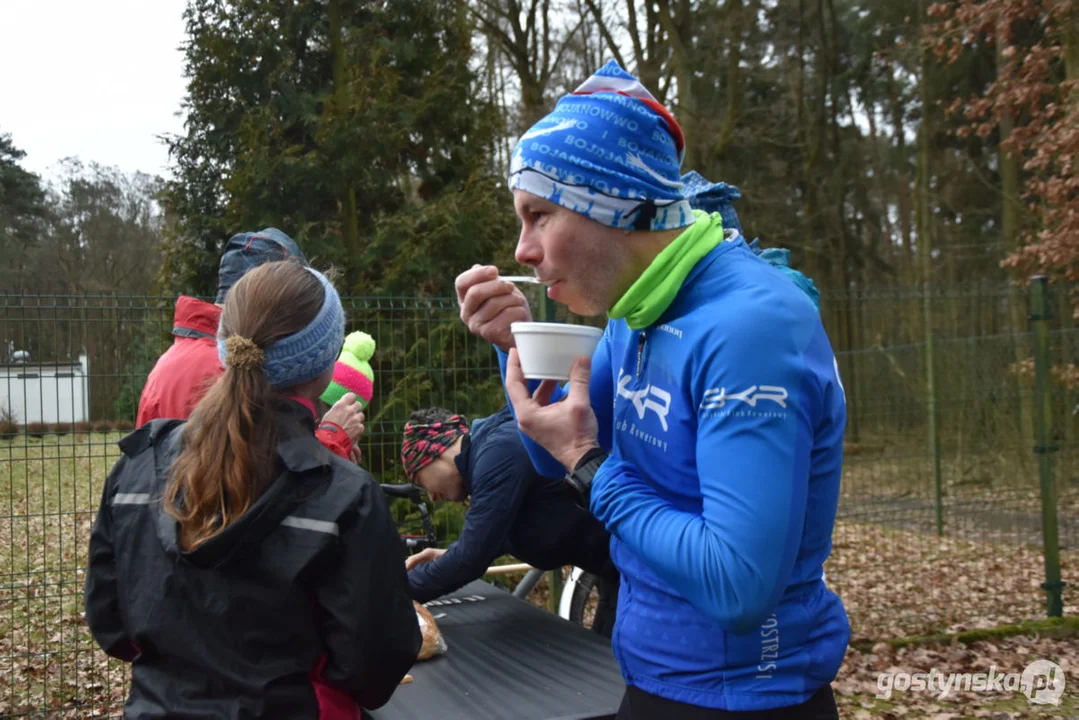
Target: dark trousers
640	705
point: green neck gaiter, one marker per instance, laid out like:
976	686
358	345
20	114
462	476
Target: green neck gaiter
656	288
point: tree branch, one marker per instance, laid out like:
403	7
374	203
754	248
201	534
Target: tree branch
508	45
668	24
546	37
514	14
598	14
565	44
734	79
638	51
533	42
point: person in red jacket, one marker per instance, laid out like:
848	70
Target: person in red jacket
185	372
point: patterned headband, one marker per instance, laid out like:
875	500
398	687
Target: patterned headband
424	443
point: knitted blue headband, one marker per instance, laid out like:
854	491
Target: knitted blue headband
306	354
610	152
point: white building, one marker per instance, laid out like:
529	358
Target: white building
44	392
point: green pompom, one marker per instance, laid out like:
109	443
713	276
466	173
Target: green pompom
360	346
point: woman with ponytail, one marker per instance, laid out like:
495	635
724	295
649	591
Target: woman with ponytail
244	570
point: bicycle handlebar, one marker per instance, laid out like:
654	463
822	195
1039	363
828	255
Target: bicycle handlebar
412	493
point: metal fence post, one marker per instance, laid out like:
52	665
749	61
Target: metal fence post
933	410
1039	317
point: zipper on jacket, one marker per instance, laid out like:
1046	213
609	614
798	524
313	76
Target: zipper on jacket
641	338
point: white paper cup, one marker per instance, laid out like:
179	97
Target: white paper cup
547	350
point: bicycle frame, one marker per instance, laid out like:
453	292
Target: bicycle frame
565	600
527	583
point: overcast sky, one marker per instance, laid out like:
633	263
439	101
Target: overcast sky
97	79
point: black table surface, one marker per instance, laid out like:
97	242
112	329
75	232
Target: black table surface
507	659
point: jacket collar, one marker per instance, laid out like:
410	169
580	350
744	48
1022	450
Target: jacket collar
463	461
297	445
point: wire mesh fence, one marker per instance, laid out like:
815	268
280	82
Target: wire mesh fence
939	524
70	378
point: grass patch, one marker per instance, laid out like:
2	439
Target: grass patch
49	492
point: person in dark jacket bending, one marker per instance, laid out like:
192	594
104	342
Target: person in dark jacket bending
242	568
512	510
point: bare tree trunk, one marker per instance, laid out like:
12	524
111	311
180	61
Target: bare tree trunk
734	79
532	103
1010	227
497	161
906	255
349	215
678	25
507	151
814	132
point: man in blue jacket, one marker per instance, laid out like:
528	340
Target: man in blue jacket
707	428
513	509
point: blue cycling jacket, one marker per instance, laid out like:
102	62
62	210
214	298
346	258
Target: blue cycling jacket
724	421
